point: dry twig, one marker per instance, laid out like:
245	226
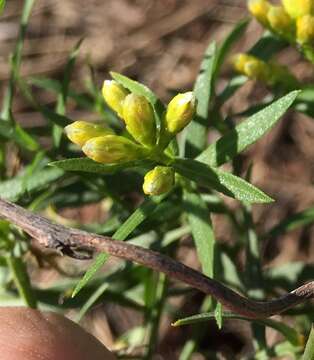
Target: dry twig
69	241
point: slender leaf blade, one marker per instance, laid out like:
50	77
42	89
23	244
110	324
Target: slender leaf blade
221	181
196	131
292	222
139	89
202	231
63	95
246	133
13	189
289	333
227	44
21	280
2	5
91	301
88	165
121	234
309	348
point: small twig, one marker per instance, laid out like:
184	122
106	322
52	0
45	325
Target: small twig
68	240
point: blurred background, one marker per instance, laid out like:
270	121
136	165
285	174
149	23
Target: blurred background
160	43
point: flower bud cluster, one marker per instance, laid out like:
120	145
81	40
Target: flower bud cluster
270	73
102	145
294	20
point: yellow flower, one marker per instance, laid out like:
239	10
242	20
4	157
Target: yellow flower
297	8
259	9
159	180
112	149
180	112
305	29
251	66
257	70
139	118
81	131
114	95
280	21
239	61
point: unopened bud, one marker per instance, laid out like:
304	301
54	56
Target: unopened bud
112	149
257	70
159	180
297	8
259	9
180	112
280	21
139	118
80	132
239	61
251	66
114	95
305	29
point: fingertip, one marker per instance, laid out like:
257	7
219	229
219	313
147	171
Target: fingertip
29	334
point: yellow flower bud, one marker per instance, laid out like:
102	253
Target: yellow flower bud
159	180
305	29
251	66
180	112
279	20
81	131
297	8
139	118
114	95
112	149
239	61
257	70
259	9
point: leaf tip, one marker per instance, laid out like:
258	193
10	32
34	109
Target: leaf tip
176	323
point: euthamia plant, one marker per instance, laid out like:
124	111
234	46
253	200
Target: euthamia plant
100	143
150	135
293	21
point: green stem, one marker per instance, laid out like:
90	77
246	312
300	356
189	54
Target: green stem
156	310
160	157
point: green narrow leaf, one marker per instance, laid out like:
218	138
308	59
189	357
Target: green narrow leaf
52	116
221	181
227	44
24	139
16	61
139	89
309	348
98	263
202	231
91	301
12	131
2	5
15	188
219	315
289	333
88	165
293	222
56	87
246	133
63	95
21	280
122	233
197	129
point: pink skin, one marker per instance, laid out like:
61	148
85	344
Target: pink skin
27	334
